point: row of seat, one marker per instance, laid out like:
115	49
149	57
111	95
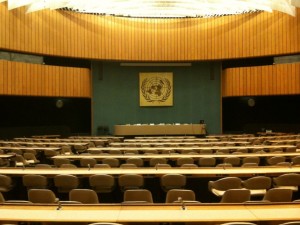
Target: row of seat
133	196
89	196
82	149
257	186
203	161
105	183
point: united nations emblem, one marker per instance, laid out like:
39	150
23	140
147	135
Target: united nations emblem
156	89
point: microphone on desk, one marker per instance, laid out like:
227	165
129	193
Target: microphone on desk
59	204
89	166
156	166
182	203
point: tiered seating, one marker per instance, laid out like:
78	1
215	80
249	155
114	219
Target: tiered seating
191	153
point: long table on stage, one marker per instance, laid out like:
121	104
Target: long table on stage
166	129
120	213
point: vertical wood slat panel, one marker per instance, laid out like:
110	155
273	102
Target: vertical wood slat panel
39	80
280	79
75	35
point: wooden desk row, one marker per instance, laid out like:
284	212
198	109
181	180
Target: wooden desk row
200	213
199	143
197	172
164	137
196	148
62	140
285	137
8	148
175	156
25	143
176	140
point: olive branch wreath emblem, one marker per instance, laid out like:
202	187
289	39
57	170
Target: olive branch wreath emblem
166	95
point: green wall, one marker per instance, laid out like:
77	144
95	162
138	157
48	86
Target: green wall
196	91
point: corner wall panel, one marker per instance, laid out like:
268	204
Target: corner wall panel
26	79
281	79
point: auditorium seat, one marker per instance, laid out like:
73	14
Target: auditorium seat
102	183
172	181
151	152
258	185
235	196
184	160
207	162
128	165
290	223
65	182
155	161
34	181
206	151
180	195
289	181
296	160
68	166
50	153
222	151
131	152
6	183
104	166
30	158
59	161
234	161
42	196
189	165
249	165
163	165
66	150
105	223
278	195
218	187
275	159
115	152
20	161
251	159
238	223
88	162
112	162
43	166
224	165
84	196
2	200
139	162
137	196
79	149
241	151
130	181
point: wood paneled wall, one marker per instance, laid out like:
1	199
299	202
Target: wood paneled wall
281	79
40	80
70	34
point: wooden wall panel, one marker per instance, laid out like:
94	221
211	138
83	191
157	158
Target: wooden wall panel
281	79
40	80
69	34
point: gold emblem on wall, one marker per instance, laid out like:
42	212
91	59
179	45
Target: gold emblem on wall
156	89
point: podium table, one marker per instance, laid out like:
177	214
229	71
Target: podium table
165	129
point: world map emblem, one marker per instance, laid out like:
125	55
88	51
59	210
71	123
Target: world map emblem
156	90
